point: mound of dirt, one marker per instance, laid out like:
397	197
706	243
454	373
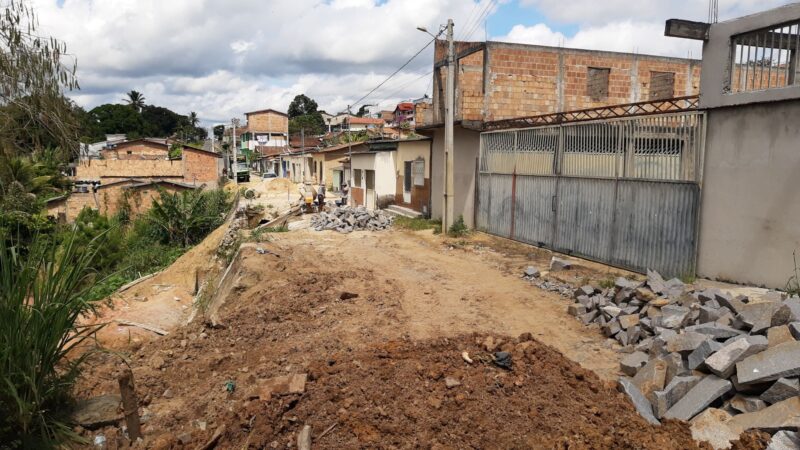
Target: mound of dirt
279	185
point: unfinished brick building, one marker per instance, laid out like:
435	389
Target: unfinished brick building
498	80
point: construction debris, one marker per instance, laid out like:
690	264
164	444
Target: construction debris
690	350
346	219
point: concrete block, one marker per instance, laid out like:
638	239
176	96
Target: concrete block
699	397
782	389
628	321
531	272
787	313
652	377
588	317
642	405
758	316
655	282
697	358
559	264
778	335
708	313
781	361
631	363
794	328
710	426
576	310
674	316
747	403
674	391
785	440
611	311
723	362
686	342
715	330
780	416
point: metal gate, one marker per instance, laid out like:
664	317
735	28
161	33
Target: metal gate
623	191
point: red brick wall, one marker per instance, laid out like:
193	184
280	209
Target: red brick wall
526	80
420	195
200	167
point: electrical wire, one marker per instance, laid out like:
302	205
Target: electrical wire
469	18
389	96
358	102
483	15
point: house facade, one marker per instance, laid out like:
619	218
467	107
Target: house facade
265	128
497	81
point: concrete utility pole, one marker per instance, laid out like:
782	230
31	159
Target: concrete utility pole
350	157
235	169
449	184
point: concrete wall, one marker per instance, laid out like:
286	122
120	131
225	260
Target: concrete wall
419	195
750	217
97	169
466	144
383	163
717	64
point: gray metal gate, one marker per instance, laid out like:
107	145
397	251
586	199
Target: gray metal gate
624	191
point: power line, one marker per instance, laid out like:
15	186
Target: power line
469	18
389	96
483	15
358	102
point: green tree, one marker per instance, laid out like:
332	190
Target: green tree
135	99
219	131
363	111
313	124
114	119
193	120
33	77
161	122
302	105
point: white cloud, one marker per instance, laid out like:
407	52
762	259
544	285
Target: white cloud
223	58
630	37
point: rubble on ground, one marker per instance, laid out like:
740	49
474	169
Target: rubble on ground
690	351
346	219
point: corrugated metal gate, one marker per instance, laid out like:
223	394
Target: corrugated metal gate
624	191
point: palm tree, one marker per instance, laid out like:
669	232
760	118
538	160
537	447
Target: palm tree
135	99
193	120
24	172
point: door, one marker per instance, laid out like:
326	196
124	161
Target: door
369	201
407	181
337	180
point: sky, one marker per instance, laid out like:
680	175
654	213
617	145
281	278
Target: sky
222	58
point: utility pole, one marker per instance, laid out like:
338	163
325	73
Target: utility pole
235	169
350	157
303	146
449	184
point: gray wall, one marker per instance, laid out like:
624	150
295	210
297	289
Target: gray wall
717	62
467	148
750	214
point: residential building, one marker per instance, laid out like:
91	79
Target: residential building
498	80
149	159
136	195
265	128
92	151
354	123
404	115
334	122
387	117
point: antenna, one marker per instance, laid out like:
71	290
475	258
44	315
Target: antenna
713	11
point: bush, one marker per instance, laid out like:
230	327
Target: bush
418	224
42	296
458	228
186	217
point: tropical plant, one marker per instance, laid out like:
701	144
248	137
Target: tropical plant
186	217
193	119
33	78
26	173
41	301
135	99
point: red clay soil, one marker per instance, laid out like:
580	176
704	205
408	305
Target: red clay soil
367	378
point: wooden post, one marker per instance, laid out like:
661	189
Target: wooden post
130	403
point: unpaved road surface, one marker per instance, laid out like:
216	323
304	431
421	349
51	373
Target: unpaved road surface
377	322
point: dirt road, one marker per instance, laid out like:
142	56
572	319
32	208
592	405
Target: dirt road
377	322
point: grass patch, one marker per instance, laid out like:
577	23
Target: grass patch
607	283
418	224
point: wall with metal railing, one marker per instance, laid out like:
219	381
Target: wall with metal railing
622	191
